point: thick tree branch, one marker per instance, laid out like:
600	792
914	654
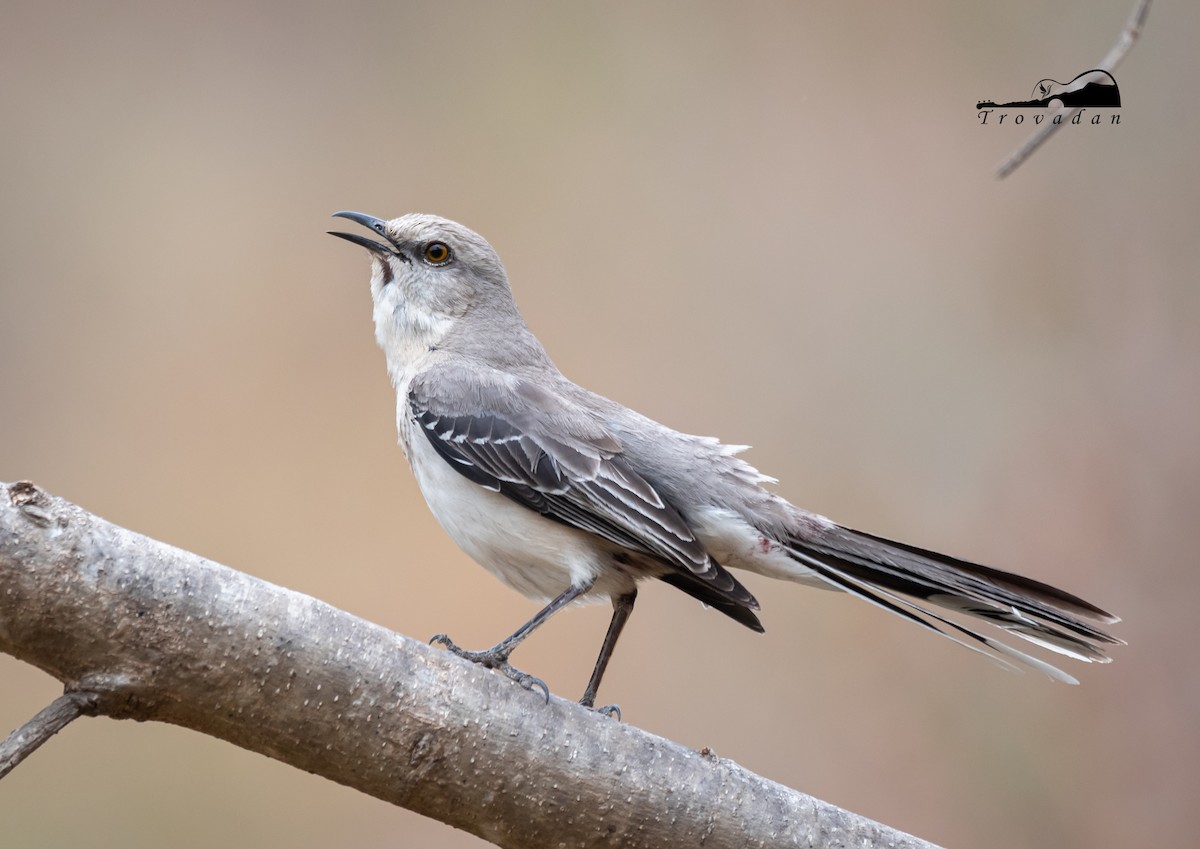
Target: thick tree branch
138	629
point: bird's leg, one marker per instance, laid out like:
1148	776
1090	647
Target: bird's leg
497	656
622	607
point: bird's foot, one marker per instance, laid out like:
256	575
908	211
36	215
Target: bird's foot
589	701
494	658
611	711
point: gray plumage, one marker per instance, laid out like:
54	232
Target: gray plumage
564	494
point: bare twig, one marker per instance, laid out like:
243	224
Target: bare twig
1125	42
48	722
151	632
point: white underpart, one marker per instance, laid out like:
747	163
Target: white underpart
405	339
536	556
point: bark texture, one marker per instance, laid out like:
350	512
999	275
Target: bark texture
138	629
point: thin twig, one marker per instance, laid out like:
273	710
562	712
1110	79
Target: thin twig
49	721
1125	41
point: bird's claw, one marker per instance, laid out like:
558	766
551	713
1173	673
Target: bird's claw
493	658
526	680
611	711
589	701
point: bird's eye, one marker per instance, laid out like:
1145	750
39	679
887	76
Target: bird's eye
437	253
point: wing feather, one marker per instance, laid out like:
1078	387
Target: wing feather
529	445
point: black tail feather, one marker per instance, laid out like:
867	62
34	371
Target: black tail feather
1027	587
899	577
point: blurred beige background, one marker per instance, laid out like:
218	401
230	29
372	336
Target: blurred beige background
777	225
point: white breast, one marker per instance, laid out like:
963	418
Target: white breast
536	556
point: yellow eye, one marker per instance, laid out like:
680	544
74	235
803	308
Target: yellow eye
437	253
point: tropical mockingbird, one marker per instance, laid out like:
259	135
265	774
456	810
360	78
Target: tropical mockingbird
563	494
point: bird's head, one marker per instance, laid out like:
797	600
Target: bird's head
428	276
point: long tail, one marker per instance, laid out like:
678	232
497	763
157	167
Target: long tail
906	580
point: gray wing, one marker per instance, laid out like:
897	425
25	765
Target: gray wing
516	438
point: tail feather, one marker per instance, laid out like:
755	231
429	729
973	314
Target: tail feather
1016	622
906	580
1027	589
1000	653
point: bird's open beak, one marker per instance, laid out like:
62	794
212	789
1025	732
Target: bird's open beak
376	224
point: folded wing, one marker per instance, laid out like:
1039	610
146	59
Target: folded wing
515	438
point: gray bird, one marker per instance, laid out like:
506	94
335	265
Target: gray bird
565	495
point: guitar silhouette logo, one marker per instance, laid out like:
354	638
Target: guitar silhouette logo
1091	88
